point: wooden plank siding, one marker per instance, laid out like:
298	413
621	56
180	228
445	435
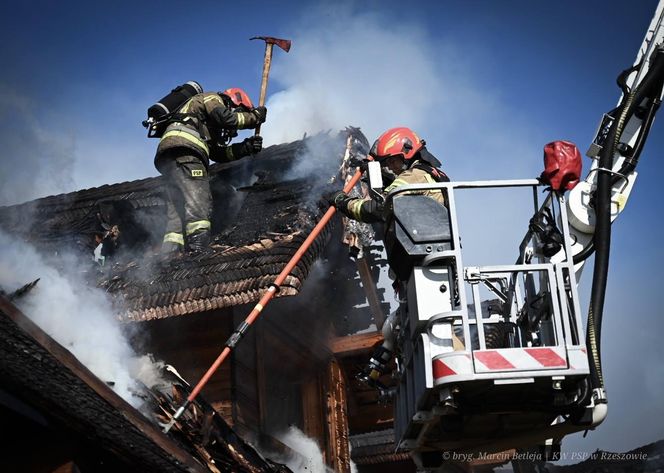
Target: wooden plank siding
191	344
337	451
245	393
312	411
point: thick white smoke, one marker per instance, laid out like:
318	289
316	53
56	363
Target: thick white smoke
77	316
350	71
310	458
350	68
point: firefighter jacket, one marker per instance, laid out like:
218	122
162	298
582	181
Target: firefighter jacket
368	210
202	125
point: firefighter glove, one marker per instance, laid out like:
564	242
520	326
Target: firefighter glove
339	200
252	145
363	164
260	113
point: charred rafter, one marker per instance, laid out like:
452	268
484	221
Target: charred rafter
204	433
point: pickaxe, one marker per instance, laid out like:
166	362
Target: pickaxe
269	42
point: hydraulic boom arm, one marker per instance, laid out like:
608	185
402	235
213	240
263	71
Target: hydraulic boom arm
599	199
628	124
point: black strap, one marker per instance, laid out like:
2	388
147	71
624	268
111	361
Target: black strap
543	224
437	174
426	156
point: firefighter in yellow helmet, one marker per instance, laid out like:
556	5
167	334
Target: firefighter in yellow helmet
200	131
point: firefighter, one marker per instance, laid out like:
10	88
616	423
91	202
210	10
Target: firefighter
403	157
200	132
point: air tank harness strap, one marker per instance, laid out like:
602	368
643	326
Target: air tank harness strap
437	174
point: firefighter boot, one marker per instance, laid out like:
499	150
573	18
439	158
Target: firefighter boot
169	248
198	242
172	246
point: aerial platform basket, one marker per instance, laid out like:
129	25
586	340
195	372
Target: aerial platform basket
478	375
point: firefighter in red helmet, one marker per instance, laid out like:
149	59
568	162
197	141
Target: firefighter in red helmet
200	132
403	155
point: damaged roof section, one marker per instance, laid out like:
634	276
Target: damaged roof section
213	281
44	374
264	207
41	372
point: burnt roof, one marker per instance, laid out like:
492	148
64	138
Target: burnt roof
44	374
264	207
211	281
82	408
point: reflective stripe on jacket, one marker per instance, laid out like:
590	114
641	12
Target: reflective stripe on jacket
177	135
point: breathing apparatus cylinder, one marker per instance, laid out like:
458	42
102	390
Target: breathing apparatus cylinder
160	113
174	100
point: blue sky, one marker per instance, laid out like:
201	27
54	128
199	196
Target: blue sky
486	83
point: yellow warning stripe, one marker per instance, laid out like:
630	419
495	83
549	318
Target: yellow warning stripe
187	136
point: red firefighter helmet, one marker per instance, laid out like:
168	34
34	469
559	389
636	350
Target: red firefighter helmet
239	97
400	141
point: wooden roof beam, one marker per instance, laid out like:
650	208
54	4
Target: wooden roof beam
354	344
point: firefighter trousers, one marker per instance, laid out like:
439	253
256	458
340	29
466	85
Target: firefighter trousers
189	201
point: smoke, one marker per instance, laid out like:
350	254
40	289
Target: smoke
77	316
308	457
351	69
31	152
321	154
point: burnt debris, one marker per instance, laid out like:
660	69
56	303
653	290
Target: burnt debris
20	292
205	434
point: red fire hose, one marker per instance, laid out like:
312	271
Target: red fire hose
258	308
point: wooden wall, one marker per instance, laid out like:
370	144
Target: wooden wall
191	343
279	375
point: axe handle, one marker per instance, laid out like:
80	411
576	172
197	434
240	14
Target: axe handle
266	72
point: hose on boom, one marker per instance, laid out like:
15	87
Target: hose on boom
649	89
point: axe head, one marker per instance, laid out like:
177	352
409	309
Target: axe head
282	43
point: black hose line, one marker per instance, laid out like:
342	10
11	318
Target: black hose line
622	78
653	84
584	254
602	237
649	90
602	245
